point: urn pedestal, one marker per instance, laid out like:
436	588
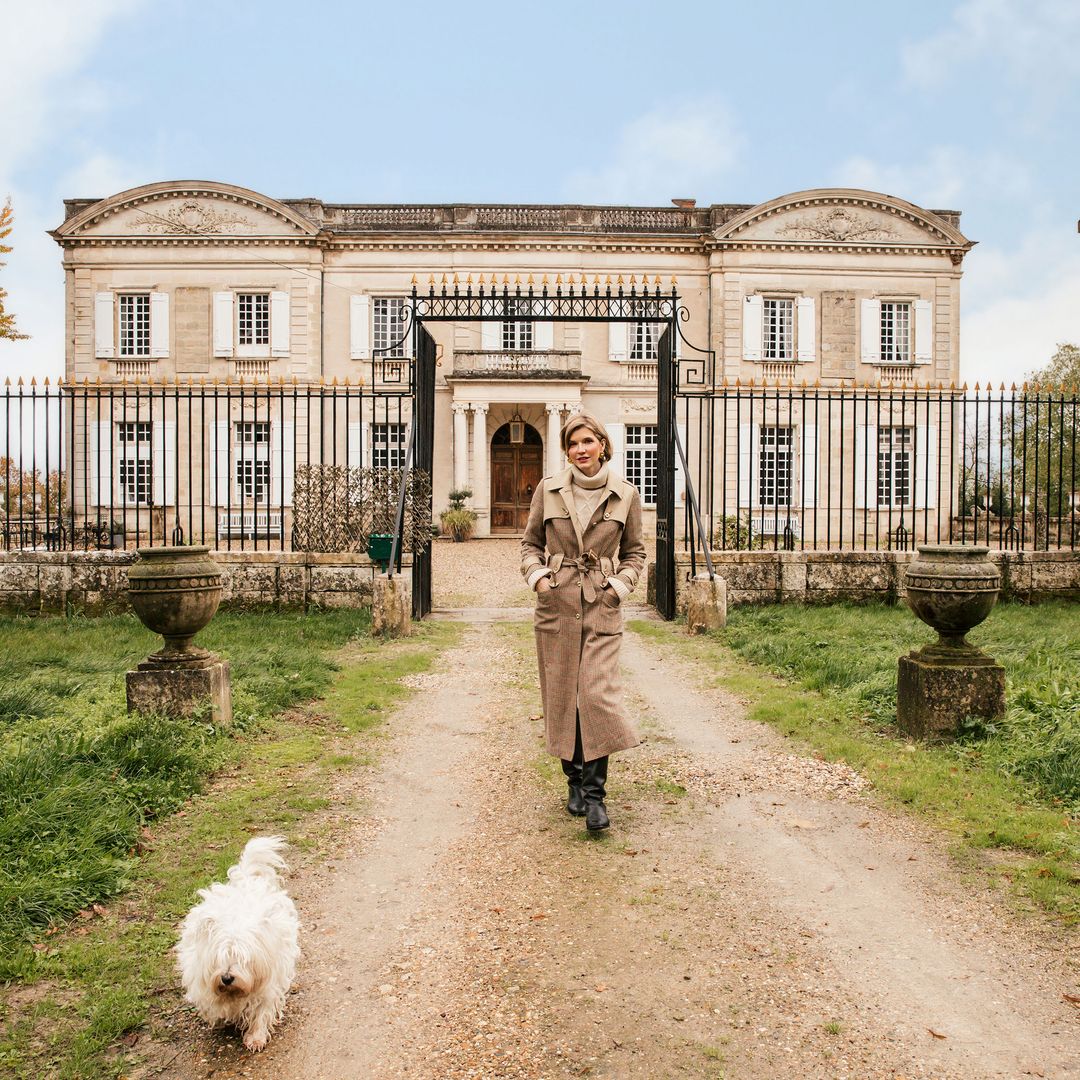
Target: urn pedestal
175	591
952	588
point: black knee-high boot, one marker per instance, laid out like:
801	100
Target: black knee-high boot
575	801
594	789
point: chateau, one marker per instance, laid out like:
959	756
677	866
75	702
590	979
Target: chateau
205	282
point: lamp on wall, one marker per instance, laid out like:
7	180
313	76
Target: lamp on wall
517	430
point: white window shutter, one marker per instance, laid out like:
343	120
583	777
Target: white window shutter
491	336
354	454
808	465
680	474
103	326
619	342
282	462
807	330
926	466
866	466
99	465
360	327
752	315
746	462
223	324
219	463
164	462
159	324
279	323
618	441
543	336
870	331
924	331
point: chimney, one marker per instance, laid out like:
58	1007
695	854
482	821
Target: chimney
685	204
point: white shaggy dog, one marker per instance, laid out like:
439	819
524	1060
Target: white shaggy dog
238	949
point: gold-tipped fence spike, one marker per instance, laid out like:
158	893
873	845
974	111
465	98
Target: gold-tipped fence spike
558	279
46	380
468	280
443	282
607	281
674	282
619	281
33	380
529	281
517	279
633	281
431	280
414	281
544	281
21	382
456	281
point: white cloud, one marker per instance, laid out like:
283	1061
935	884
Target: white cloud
1035	43
673	151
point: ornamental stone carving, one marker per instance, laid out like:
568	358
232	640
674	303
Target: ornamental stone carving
192	217
839	223
637	405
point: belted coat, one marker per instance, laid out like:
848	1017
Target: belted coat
578	622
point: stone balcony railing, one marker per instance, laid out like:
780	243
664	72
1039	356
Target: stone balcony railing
508	364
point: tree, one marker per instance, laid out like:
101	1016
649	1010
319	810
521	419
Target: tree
7	321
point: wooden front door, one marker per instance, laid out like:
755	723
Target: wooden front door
516	470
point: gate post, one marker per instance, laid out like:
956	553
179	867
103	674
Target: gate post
665	474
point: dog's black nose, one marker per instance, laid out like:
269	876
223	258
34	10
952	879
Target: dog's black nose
227	980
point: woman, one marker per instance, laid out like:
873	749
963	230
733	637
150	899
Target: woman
582	552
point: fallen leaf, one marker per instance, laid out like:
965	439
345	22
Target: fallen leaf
1072	999
629	852
497	910
600	988
540	915
937	1034
131	1038
863	824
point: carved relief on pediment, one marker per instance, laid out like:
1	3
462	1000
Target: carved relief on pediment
191	217
637	405
839	223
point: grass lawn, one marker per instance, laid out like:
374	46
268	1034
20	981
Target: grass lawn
108	823
1008	791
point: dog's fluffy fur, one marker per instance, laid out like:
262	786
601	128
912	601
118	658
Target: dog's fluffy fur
238	948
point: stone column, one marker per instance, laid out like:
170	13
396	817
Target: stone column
481	499
461	446
554	426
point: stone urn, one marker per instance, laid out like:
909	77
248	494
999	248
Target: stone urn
952	588
175	592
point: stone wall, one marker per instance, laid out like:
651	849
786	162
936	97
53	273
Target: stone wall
822	577
95	582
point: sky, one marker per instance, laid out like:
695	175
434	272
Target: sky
970	105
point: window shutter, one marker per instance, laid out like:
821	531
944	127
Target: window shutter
618	441
279	323
164	463
807	330
926	466
103	326
223	324
753	313
354	454
870	331
924	331
680	475
219	463
866	448
282	462
491	337
360	327
544	332
746	463
159	324
99	465
808	465
619	342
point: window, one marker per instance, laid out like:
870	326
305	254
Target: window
389	326
895	332
252	450
640	460
136	462
894	465
253	319
388	446
775	466
134	324
778	329
517	336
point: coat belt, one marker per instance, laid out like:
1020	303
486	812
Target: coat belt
593	570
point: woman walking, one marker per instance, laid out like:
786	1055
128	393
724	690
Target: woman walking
583	554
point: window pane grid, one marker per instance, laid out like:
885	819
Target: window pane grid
775	466
779	329
253	319
640	460
895	333
135	324
389	326
252	479
388	446
894	466
517	336
644	337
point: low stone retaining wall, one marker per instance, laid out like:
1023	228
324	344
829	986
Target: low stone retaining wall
95	582
823	577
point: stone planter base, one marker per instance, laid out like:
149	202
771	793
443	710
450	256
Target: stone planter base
706	604
937	687
182	691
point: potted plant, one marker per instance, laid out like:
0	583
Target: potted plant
458	521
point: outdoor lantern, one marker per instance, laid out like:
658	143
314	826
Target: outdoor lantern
517	430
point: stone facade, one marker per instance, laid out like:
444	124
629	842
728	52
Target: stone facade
207	281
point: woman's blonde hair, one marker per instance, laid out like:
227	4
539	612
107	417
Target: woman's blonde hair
586	420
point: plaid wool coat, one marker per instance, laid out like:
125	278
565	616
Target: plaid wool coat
579	623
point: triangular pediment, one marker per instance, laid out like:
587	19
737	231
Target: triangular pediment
195	210
841	216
